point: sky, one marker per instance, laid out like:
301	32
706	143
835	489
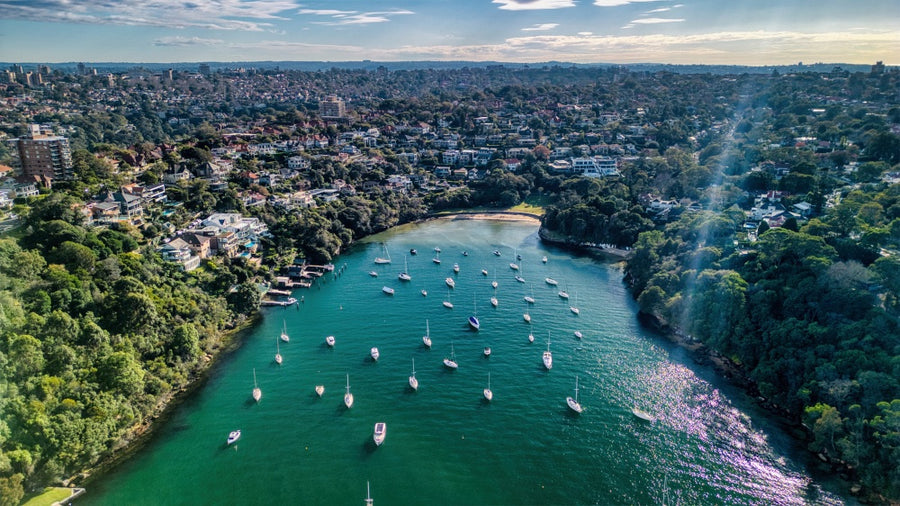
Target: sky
720	32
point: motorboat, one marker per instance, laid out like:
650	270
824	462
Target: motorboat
450	282
373	274
520	279
643	415
437	249
413	251
233	436
388	290
424	293
465	253
547	357
329	340
487	351
544	259
450	362
413	382
494	301
348	397
320	390
484	272
380	433
578	334
374	353
488	394
551	281
426	339
496	252
573	403
257	392
456	268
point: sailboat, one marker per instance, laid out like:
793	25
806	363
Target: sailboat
348	397
329	341
386	259
284	335
494	301
578	334
278	358
484	272
404	276
526	316
573	403
643	415
450	282
447	303
374	353
369	500
257	393
574	308
451	361
427	337
413	382
456	268
531	334
473	320
519	277
320	390
530	298
551	281
494	282
548	357
437	256
514	266
488	394
564	294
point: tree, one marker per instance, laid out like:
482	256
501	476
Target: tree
244	299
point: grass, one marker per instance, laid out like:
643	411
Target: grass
533	205
49	496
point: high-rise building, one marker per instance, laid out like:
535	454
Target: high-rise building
46	156
204	69
332	107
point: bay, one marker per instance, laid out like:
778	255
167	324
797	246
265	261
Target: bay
445	444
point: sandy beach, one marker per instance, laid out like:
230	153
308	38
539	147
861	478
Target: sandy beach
496	216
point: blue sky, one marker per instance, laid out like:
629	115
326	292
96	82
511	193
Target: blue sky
744	32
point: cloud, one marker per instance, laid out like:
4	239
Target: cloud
541	27
531	5
655	21
186	41
251	15
354	17
616	3
585	33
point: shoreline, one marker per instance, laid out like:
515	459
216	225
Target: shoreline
141	434
517	216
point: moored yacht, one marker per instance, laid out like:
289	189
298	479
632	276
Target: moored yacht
488	394
329	341
374	353
551	281
456	268
547	357
257	392
348	397
426	339
320	390
450	282
573	403
413	382
388	290
233	436
450	361
380	433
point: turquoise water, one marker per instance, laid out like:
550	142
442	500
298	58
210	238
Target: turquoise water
445	444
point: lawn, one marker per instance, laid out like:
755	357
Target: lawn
49	496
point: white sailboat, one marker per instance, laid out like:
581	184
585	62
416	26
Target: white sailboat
447	303
329	341
573	403
388	290
531	334
413	382
451	360
513	265
530	298
437	256
473	320
526	316
574	308
488	394
404	276
551	281
426	339
348	397
547	356
643	415
278	358
456	268
369	500
320	390
494	282
257	393
519	276
494	301
374	353
578	334
284	335
564	294
386	259
373	274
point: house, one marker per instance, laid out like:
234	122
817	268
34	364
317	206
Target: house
129	205
174	175
177	250
804	209
442	172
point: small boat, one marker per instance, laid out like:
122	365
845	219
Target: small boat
369	500
424	293
380	433
257	393
488	394
574	308
388	290
320	390
544	259
496	252
386	259
456	268
530	338
530	298
437	258
514	266
573	403
413	251
520	279
526	316
450	282
551	281
374	353
643	415
487	351
494	301
465	253
437	250
547	357
427	337
348	397
329	340
563	294
233	436
373	274
447	303
518	257
484	272
404	276
451	361
413	382
473	320
284	335
578	334
278	358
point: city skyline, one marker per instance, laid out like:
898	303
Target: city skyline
764	32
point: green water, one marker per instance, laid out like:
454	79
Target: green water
445	444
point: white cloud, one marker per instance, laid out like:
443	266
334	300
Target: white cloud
655	21
541	27
585	33
186	41
661	9
252	15
616	3
355	17
531	5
